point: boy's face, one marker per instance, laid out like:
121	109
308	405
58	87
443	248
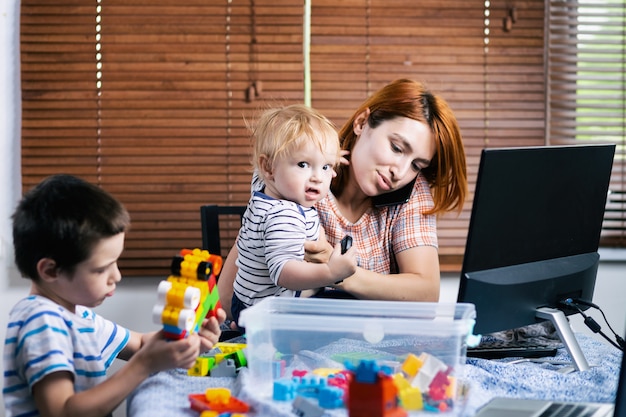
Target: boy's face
304	176
93	280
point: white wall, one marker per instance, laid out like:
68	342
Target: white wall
132	304
10	122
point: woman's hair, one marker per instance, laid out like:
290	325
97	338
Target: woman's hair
280	131
446	174
63	218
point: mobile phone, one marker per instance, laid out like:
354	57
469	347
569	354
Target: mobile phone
396	197
346	243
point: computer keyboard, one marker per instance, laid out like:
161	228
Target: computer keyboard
498	349
569	410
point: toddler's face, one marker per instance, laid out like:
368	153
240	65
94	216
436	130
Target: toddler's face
304	176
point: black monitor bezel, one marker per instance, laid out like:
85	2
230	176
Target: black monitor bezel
499	306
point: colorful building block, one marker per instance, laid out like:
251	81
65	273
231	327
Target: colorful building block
189	294
304	407
219	400
372	393
202	367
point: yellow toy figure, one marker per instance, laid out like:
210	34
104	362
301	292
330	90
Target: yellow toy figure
189	294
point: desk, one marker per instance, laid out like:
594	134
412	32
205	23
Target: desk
165	394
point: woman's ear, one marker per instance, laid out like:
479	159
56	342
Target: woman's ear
360	120
47	269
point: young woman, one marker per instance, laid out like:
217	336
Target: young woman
404	163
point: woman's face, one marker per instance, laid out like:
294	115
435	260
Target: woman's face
391	155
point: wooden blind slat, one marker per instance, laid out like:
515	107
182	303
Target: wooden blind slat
198	67
58	89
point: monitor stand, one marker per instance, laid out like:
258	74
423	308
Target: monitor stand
560	322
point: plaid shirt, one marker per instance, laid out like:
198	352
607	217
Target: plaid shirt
383	231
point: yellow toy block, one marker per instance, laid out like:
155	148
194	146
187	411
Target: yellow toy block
217	395
451	388
325	372
203	365
226	347
411	399
189	294
411	366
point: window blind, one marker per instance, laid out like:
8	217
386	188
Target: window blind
59	95
357	50
586	58
149	99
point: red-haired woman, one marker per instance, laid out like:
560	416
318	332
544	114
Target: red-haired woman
404	164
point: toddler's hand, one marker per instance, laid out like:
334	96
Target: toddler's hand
342	265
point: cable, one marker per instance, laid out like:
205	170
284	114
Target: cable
620	339
591	323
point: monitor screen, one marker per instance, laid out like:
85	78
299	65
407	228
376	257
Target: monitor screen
534	231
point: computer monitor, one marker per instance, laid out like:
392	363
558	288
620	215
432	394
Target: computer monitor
533	236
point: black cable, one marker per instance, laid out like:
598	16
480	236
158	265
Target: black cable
620	339
590	322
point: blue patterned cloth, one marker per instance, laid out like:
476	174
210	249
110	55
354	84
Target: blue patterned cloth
165	394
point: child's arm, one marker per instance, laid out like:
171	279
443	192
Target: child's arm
134	344
55	395
302	275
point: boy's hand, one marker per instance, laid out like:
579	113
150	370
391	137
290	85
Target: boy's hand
210	330
159	354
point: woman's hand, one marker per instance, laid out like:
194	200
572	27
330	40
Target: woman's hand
344	157
318	251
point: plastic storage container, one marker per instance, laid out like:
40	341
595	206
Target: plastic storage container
292	334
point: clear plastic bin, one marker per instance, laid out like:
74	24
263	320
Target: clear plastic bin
293	334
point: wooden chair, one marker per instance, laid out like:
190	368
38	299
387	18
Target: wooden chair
211	241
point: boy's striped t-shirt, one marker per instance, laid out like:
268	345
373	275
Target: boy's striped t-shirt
43	337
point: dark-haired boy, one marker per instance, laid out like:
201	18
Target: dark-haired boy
68	235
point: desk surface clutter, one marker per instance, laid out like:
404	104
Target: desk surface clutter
166	393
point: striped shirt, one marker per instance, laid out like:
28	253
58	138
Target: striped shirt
43	337
272	233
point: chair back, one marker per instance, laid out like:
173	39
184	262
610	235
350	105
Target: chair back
210	216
